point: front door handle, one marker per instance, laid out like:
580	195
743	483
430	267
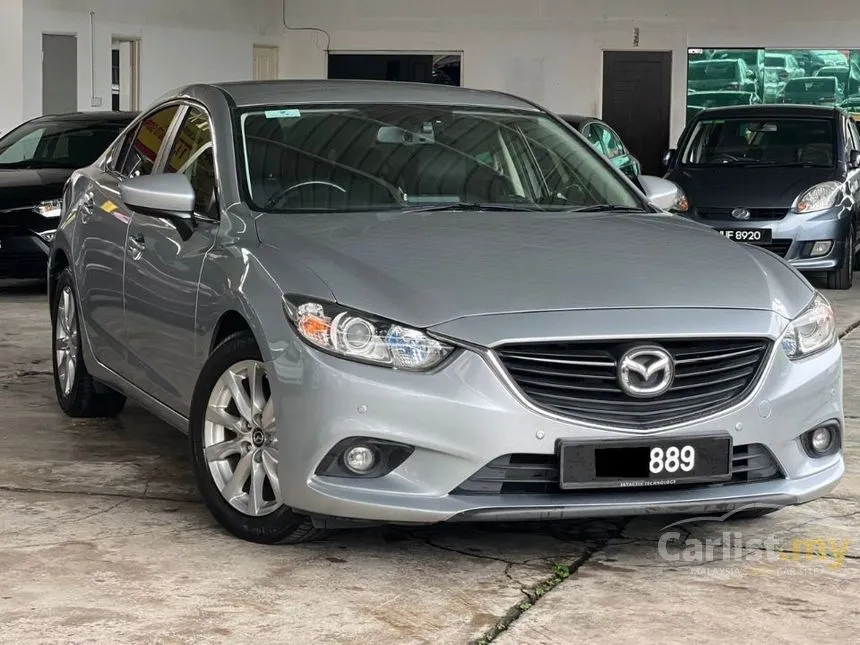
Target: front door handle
136	246
86	208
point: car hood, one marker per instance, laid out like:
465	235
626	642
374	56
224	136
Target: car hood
25	187
423	269
748	187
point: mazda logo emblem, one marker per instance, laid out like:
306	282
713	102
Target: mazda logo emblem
646	372
741	213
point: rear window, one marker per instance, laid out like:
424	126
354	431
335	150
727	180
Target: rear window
748	142
713	69
811	85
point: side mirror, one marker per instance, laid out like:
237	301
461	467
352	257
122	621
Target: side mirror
663	193
854	160
669	157
168	195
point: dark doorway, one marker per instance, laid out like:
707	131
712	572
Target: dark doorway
414	68
637	99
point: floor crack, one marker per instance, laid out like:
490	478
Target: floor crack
534	593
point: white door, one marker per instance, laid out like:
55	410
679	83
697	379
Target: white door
265	63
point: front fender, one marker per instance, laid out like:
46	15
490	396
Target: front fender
251	280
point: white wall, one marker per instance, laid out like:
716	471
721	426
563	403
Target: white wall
182	41
551	50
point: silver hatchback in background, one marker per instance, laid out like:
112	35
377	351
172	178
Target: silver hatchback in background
405	303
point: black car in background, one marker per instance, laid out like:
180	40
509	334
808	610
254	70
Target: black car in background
36	159
606	141
786	177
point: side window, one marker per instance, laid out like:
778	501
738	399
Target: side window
192	155
611	142
848	136
855	135
146	143
593	136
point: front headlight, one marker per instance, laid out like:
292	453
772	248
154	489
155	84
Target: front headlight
818	198
364	338
814	330
682	204
52	208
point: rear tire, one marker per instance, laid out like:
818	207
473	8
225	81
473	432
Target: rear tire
843	277
234	447
77	393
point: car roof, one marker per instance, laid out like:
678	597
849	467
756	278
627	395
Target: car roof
770	111
296	92
104	115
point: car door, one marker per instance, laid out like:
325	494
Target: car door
101	229
162	268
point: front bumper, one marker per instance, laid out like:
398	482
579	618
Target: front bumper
23	256
794	234
464	415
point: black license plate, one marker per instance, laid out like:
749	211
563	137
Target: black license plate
748	235
645	462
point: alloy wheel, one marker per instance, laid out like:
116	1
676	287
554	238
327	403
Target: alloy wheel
240	441
66	337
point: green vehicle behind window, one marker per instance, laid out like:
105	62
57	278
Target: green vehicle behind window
606	141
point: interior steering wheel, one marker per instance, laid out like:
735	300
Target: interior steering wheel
281	194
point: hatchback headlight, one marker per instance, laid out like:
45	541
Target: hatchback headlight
682	204
52	208
818	198
364	338
814	330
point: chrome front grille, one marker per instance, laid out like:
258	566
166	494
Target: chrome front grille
539	474
579	379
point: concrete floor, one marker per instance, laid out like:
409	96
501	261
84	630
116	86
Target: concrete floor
103	540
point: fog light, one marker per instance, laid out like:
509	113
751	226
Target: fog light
822	439
820	248
360	459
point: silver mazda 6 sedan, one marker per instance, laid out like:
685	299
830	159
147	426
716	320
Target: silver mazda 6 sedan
373	302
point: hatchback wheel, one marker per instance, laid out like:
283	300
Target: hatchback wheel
77	393
235	447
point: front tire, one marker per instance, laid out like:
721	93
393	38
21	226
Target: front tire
843	277
77	393
234	447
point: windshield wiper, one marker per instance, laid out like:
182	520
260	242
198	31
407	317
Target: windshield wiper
610	208
473	206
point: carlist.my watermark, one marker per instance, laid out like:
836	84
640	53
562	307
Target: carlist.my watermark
677	545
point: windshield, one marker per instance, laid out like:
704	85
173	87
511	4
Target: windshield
378	157
57	144
784	142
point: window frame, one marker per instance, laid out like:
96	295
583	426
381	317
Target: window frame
116	159
185	105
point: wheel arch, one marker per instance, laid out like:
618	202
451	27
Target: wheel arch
59	261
